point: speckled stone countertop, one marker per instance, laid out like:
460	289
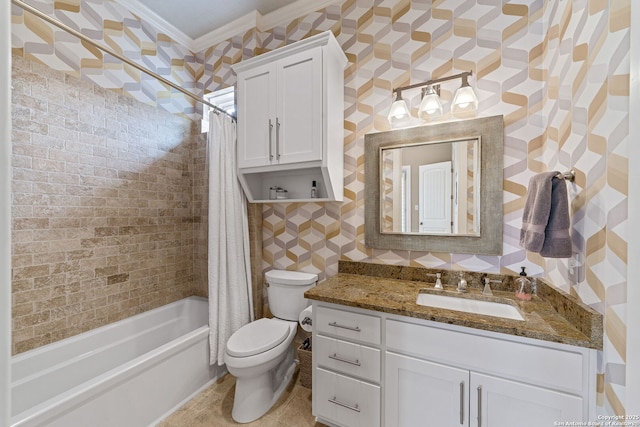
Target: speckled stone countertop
551	315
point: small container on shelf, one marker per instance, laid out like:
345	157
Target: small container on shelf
273	192
281	193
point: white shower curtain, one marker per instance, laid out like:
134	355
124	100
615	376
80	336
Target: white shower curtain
230	303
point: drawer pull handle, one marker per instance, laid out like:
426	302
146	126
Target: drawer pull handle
479	406
335	356
461	402
351	328
344	405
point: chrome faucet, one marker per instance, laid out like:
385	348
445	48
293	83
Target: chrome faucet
487	286
438	284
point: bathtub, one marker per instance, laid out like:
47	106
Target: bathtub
133	372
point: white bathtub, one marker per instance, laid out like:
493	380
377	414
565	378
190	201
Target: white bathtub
133	372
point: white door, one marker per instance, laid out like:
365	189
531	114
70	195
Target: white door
299	108
497	402
420	393
434	198
256	117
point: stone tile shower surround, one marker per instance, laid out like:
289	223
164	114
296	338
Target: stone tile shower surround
103	212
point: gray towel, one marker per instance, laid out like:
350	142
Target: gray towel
545	221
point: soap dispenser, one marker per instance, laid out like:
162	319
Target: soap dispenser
524	286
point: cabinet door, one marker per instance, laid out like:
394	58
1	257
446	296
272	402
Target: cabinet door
497	402
257	117
299	108
420	393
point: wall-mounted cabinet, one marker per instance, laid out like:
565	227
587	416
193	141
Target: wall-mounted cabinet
290	120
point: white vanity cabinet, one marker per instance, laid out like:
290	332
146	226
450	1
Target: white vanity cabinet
290	120
346	367
434	374
464	378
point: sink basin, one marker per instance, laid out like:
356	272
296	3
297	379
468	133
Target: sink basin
489	308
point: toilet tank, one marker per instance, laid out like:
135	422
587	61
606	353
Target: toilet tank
286	292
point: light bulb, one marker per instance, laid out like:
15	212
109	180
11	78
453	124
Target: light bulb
464	99
430	107
399	112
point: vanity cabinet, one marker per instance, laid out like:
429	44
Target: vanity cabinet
346	367
419	392
422	373
464	378
290	120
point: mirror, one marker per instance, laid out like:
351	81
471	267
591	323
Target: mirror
436	188
431	188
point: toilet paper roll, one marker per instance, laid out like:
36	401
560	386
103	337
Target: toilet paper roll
304	319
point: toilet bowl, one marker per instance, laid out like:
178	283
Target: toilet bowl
260	354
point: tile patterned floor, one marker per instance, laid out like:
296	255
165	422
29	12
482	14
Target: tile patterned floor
212	408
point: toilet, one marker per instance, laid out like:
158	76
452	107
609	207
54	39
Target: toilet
260	354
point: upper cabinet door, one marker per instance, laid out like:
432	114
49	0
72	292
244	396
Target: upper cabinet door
257	117
299	108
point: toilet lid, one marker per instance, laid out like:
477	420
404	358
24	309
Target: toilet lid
257	337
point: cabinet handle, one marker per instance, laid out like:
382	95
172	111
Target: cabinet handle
351	328
479	406
270	140
277	139
461	402
335	356
344	405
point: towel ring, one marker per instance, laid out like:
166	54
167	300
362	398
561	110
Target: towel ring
569	176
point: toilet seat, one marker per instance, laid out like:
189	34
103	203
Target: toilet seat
257	337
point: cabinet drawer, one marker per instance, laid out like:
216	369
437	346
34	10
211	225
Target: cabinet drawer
534	364
345	401
352	359
346	324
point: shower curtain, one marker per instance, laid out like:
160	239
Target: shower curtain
229	268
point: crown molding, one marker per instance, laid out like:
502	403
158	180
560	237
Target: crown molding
251	20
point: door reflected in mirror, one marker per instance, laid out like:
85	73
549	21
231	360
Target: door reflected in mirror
431	188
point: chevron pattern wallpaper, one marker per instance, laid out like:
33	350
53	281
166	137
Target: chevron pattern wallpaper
558	70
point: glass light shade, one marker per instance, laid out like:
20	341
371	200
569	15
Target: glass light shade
399	113
465	99
430	107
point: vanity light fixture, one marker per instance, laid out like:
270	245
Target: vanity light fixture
464	99
399	112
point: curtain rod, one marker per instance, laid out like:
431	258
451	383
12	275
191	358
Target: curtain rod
81	36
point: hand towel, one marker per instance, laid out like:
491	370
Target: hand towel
545	221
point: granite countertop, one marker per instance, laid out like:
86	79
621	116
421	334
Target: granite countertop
579	326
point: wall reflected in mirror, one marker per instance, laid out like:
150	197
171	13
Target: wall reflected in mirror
431	188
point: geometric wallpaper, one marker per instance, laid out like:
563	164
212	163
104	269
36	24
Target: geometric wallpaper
557	70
